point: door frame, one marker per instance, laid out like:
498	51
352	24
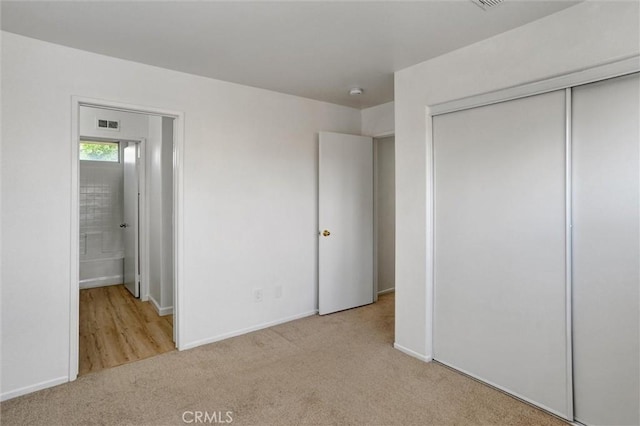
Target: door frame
178	214
376	137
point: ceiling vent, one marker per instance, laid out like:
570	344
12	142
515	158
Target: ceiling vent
108	124
487	4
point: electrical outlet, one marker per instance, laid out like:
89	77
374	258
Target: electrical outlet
257	295
278	291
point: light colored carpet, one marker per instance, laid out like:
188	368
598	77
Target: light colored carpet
336	369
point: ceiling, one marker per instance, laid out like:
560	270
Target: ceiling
317	50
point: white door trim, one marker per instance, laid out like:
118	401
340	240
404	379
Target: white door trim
178	209
143	213
375	219
386	134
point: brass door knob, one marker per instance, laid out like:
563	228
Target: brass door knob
326	233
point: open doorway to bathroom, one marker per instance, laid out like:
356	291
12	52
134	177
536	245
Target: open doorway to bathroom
126	232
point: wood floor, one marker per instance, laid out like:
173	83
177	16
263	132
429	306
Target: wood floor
116	328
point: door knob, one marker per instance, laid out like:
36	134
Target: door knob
123	225
326	233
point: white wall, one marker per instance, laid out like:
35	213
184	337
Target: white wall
250	169
585	35
385	214
378	120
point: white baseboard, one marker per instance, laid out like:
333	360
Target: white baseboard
412	353
101	281
33	388
246	330
160	310
389	290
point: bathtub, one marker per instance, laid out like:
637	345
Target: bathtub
99	267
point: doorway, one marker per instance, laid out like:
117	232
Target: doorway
126	234
384	215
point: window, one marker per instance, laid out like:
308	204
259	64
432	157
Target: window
100	151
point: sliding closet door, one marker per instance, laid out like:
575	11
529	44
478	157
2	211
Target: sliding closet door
500	305
606	251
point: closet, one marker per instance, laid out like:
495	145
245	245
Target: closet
606	253
537	247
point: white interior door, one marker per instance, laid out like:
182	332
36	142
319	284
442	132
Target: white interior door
131	218
606	251
500	277
346	222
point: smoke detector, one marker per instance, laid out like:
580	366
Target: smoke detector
356	91
486	4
